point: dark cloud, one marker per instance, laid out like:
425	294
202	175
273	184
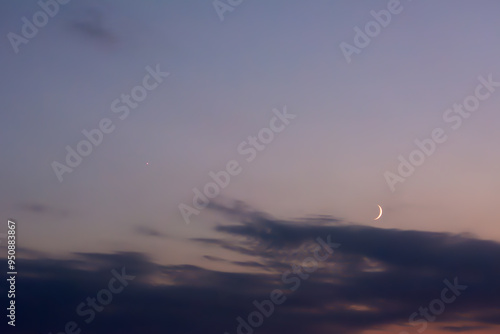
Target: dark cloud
91	22
36	208
214	258
41	209
460	329
376	277
149	231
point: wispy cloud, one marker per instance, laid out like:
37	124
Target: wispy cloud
149	231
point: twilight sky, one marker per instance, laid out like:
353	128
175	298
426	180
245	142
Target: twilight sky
307	114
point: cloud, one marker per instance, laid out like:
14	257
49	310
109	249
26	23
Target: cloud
459	329
378	277
91	22
41	209
36	208
214	258
149	232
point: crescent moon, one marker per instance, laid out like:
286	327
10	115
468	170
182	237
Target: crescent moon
380	214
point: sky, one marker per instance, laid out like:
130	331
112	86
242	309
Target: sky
209	156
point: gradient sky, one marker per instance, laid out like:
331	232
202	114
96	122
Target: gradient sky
322	175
